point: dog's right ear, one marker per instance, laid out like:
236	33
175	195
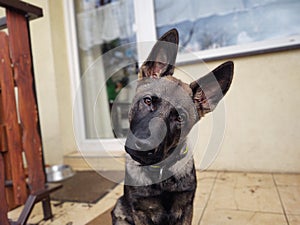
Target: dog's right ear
161	60
210	89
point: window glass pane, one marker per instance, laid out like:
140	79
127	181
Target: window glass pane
107	63
217	23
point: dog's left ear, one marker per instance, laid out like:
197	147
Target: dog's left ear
210	89
161	60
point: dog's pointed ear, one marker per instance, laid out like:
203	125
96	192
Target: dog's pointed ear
161	60
209	90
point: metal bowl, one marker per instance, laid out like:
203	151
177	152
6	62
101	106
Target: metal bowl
58	173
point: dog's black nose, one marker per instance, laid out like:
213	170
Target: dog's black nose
148	137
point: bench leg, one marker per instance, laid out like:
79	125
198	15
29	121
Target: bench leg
47	208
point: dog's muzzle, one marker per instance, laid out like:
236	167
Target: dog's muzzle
144	144
145	157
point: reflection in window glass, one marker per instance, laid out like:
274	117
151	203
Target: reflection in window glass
216	23
104	27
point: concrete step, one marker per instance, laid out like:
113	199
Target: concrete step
96	161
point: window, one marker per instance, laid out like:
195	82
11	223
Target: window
102	64
105	68
220	28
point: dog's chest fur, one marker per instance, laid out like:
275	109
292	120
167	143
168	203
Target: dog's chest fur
164	202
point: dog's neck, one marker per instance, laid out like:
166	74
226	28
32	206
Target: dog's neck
177	164
177	153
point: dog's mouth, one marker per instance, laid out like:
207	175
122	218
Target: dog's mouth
145	158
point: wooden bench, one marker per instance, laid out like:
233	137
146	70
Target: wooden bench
22	173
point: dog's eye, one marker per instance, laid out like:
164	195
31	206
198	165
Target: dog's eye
181	117
148	101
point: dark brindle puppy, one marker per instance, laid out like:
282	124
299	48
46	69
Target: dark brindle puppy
160	180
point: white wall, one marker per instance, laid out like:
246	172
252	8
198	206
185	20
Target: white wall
262	115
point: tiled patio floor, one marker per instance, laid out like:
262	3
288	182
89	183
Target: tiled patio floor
222	198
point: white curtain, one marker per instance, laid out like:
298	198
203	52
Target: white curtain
105	23
96	25
95	100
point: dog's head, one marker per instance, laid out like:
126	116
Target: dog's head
164	108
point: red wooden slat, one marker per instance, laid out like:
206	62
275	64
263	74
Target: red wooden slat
11	122
2	132
4	206
2	149
21	58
